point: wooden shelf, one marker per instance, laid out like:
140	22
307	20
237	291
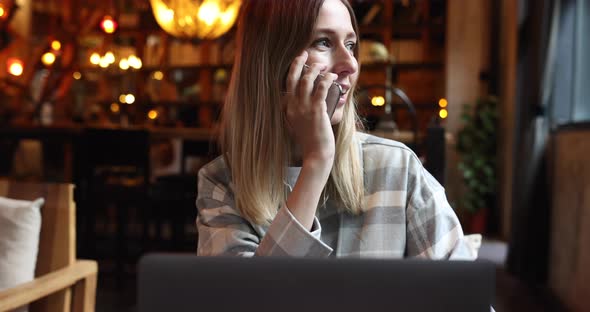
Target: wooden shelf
404	66
405	31
155	68
179	103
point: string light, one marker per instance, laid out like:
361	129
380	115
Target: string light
104	62
48	58
110	57
130	98
134	61
377	101
127	98
77	75
443	113
15	66
124	64
158	75
115	107
55	45
153	114
95	58
108	24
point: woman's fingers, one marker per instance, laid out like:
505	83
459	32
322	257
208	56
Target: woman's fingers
323	84
305	87
295	72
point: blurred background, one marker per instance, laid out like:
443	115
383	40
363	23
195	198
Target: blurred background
122	98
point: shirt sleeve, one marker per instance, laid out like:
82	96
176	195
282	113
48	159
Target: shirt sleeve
224	232
433	229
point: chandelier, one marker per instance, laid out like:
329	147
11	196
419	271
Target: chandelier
206	19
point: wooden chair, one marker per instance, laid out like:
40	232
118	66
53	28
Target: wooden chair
62	282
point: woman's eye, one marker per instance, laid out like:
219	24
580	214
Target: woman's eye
351	45
322	43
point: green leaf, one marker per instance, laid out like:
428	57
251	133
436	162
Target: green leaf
477	148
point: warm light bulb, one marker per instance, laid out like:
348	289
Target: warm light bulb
108	25
158	75
115	107
378	101
443	113
77	75
95	58
129	99
205	19
123	98
15	66
229	15
110	57
153	114
2	12
124	64
55	45
166	14
134	62
209	12
48	58
104	62
443	103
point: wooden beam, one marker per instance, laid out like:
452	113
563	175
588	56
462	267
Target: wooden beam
508	60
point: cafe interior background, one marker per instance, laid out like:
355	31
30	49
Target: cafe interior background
122	99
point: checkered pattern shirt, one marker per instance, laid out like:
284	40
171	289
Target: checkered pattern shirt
406	215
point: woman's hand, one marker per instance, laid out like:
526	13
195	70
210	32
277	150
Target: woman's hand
309	126
306	111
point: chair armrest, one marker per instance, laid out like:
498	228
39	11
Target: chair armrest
50	283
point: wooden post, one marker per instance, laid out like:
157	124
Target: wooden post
507	74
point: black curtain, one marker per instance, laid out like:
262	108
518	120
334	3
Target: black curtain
528	254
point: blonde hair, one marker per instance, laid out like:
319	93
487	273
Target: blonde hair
254	139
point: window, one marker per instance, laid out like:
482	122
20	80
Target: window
570	100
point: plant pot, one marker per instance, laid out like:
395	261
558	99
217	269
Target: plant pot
477	222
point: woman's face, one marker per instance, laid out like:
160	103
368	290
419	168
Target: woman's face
333	43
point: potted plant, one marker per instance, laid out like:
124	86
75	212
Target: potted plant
477	149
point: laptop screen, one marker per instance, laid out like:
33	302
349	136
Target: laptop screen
175	282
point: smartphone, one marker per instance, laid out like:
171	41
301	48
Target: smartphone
334	94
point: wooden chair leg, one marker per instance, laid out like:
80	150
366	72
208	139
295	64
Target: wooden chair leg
59	301
84	295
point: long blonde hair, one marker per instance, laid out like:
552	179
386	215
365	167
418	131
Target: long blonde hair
254	139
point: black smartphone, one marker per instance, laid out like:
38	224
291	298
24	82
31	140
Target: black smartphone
334	94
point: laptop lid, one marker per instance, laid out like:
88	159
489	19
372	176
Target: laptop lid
174	282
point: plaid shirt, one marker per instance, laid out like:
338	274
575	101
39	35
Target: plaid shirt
406	215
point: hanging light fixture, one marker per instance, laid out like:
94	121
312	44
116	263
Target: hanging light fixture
206	19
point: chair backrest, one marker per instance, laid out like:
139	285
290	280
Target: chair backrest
57	241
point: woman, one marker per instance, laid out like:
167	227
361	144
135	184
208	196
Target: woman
295	182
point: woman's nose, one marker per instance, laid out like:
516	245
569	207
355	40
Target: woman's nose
344	62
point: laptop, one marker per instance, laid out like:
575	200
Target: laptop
182	282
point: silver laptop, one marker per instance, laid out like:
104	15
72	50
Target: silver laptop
181	282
